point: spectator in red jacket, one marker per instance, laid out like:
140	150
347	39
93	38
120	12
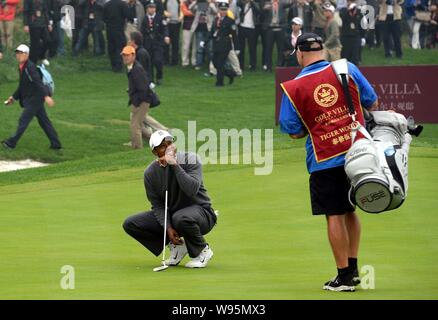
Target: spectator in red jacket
7	17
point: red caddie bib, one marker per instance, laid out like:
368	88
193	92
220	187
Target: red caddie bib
320	103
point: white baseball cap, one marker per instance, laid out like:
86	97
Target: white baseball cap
352	6
297	20
157	138
330	8
22	48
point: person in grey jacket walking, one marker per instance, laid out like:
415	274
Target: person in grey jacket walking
190	214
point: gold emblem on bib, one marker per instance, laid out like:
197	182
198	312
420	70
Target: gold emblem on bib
325	95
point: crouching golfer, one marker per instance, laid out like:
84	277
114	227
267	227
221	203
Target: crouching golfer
190	215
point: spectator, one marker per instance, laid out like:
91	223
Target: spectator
390	12
78	21
274	22
135	24
188	42
54	7
155	35
319	20
115	15
7	18
421	18
409	14
302	10
92	23
351	32
37	23
141	54
433	28
249	16
221	33
332	44
290	58
172	10
259	30
205	12
373	36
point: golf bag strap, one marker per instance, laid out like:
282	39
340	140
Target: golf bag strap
347	94
356	126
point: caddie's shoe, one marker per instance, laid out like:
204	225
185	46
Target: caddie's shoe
177	253
356	277
339	285
202	259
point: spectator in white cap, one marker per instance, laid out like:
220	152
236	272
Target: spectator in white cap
290	60
190	214
32	94
332	44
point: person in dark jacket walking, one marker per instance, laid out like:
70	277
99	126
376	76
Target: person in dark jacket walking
190	213
32	94
140	97
115	15
155	35
222	36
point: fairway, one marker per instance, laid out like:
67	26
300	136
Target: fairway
266	244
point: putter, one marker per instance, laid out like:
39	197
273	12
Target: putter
164	266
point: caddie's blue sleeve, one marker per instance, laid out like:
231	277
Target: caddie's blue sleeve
289	120
367	94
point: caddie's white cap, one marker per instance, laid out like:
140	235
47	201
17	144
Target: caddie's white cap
157	138
22	48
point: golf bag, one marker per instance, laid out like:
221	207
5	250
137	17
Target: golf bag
376	165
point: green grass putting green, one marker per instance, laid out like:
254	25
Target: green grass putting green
266	244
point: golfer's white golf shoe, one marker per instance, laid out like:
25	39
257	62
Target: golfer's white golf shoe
202	259
177	253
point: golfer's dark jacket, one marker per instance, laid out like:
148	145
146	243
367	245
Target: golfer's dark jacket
185	186
138	85
31	90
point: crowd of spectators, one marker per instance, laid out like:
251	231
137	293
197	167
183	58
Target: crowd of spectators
180	32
